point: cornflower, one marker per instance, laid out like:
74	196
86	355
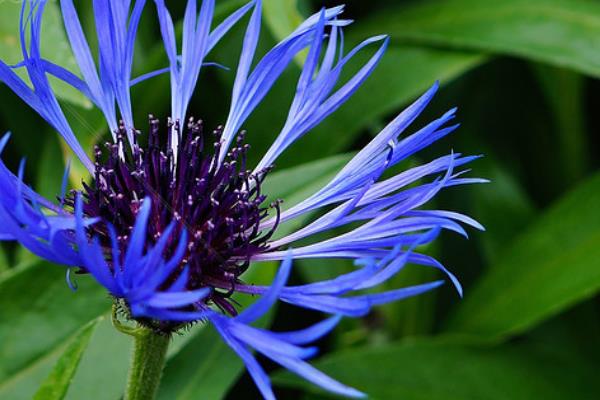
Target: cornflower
173	216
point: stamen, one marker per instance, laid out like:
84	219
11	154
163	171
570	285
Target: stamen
221	205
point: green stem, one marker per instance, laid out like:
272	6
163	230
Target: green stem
147	363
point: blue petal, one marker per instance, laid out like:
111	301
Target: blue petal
137	240
43	101
266	343
310	334
254	369
92	256
249	90
217	34
248	50
273	345
317	377
177	299
331	304
260	307
315	106
24	218
400	294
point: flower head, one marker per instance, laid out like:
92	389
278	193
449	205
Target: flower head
174	215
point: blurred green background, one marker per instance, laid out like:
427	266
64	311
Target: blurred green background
524	74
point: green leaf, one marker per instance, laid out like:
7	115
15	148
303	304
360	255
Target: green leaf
564	92
54	46
559	32
22	386
282	17
50	168
576	331
102	372
445	369
4	266
38	312
416	315
549	267
503	207
57	383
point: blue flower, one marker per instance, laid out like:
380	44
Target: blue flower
169	227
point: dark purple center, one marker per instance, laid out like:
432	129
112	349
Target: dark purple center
221	207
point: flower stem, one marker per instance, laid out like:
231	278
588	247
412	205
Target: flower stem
147	363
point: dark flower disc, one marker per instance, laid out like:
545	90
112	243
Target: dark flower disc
220	206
